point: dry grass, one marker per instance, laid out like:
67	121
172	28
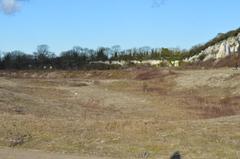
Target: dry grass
121	115
154	74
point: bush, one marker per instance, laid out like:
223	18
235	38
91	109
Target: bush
202	57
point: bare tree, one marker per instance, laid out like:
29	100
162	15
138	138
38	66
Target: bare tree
43	56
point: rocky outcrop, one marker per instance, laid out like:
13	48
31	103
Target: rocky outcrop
220	50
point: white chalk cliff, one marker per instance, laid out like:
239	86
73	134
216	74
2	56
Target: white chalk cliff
220	50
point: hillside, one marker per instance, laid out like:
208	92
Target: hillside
223	45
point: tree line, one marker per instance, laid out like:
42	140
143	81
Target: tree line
80	58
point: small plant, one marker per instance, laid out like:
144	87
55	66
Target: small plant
145	87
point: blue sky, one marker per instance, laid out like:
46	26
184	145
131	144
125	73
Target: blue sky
63	24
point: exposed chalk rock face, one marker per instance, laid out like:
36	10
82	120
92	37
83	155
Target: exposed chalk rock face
220	50
224	50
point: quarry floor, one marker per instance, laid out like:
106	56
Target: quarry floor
130	113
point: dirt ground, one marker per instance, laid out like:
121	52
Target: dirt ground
8	153
132	113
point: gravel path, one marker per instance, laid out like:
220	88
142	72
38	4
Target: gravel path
7	153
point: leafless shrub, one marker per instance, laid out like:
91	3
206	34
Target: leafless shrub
209	109
18	110
145	87
79	85
145	155
215	111
96	82
154	74
18	139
